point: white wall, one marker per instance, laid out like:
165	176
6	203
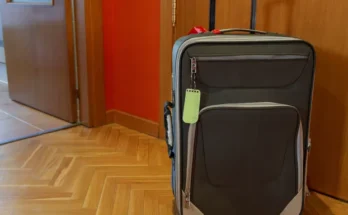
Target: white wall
2	50
1	37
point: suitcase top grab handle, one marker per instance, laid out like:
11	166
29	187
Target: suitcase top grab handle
230	30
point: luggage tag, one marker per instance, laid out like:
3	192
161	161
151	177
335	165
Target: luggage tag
191	106
192	98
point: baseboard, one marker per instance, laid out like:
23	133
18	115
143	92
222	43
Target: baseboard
133	122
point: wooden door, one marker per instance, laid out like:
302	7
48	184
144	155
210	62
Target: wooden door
232	14
189	14
39	53
322	23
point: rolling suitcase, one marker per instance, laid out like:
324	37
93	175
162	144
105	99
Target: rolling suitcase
238	134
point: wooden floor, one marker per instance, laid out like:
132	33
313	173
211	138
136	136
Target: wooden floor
17	120
318	204
108	170
105	171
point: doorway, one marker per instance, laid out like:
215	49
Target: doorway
54	64
37	85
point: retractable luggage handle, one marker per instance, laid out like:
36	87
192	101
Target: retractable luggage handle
168	125
252	29
253	14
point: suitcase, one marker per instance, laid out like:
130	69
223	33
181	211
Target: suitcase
246	153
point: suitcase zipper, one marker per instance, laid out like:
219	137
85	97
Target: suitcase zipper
192	134
193	72
250	57
234	58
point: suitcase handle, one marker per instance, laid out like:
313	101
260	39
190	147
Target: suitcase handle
253	14
212	15
229	30
168	125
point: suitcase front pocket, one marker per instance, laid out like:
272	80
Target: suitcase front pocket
245	146
250	71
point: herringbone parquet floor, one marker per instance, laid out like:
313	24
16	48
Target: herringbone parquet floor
108	170
105	171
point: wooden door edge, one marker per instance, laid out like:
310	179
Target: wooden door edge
89	27
166	44
71	58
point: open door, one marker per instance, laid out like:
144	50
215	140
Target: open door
38	37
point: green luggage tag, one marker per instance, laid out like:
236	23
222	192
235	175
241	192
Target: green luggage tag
192	97
191	106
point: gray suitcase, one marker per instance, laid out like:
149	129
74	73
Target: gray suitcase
247	152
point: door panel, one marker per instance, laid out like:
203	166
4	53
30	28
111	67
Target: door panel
320	23
189	14
232	14
229	14
39	54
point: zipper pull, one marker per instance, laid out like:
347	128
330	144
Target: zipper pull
193	65
193	72
187	200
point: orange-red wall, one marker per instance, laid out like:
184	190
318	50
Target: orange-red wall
131	49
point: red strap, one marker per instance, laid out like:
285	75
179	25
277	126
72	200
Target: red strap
216	31
197	30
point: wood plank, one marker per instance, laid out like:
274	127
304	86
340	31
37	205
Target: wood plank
108	197
121	205
232	14
189	14
136	204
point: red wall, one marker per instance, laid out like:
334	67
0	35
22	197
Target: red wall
131	49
